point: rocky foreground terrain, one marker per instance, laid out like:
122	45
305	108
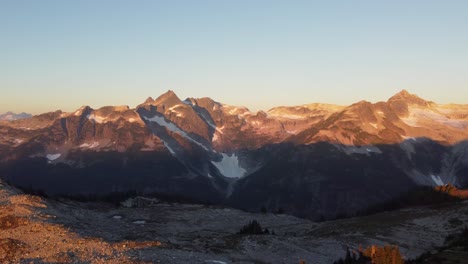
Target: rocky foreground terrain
38	230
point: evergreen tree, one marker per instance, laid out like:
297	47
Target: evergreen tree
253	228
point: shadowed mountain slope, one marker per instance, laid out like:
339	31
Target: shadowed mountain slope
315	160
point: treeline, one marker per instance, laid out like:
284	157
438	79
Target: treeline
115	198
278	210
421	196
455	250
254	228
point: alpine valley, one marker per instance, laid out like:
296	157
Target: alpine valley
315	161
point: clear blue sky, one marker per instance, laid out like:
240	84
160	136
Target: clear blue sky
64	54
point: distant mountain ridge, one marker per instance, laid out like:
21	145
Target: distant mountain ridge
343	158
9	116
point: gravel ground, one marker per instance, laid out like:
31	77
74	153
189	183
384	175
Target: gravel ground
38	230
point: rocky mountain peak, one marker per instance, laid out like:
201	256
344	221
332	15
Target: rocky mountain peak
149	100
84	110
205	102
261	114
410	99
167	99
362	103
404	92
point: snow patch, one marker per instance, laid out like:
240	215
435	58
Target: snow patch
139	222
215	135
187	102
79	111
220	130
216	261
173	128
233	111
290	116
172	109
86	145
52	157
410	121
97	119
256	123
459	124
210	124
162	122
408	147
168	148
229	166
416	115
437	180
358	150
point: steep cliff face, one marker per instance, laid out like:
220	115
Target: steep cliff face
315	160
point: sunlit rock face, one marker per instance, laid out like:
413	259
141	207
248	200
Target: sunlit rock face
308	159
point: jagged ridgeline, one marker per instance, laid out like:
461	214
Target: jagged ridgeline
319	161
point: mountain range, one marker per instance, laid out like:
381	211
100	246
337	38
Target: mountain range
9	116
316	160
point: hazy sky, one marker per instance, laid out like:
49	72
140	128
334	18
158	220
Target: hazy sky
64	54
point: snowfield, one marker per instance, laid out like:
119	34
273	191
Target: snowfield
97	118
229	166
173	128
437	180
418	115
52	157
